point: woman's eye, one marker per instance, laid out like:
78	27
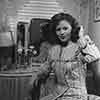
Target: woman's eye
58	29
65	28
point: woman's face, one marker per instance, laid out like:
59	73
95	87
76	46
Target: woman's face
63	31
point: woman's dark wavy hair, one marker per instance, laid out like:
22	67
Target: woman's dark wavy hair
49	30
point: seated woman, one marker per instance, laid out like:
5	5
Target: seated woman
64	72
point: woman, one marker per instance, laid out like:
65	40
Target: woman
65	67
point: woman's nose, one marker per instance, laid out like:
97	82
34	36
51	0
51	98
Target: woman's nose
62	32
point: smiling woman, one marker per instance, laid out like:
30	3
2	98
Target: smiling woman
63	31
63	74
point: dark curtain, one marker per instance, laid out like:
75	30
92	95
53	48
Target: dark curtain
36	36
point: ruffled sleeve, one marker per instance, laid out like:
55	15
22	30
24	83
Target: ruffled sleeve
90	50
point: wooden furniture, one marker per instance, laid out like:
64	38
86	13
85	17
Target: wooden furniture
16	85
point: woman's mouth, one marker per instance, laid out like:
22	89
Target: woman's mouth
62	37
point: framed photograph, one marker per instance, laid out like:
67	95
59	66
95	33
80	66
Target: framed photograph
96	10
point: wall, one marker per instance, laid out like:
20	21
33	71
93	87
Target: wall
93	27
79	9
71	7
94	32
8	11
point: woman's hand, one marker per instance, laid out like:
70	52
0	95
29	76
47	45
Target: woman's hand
82	41
81	32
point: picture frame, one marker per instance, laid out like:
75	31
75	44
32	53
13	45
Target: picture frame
96	10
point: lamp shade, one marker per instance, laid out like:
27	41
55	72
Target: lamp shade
6	39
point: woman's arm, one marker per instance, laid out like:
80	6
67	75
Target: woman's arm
45	67
91	55
44	70
90	50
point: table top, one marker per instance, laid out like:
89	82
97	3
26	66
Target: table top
21	71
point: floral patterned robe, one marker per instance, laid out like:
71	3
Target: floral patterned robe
67	72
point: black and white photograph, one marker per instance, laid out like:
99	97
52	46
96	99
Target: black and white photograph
49	49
